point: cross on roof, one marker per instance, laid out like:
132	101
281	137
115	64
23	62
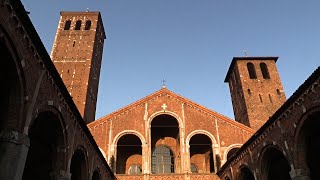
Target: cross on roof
163	83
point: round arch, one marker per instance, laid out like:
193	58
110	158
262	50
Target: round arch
273	163
245	173
126	132
306	136
78	163
232	146
151	118
14	86
204	132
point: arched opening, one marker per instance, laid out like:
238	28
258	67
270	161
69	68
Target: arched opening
231	152
78	167
88	25
10	91
246	174
78	25
96	175
67	25
46	137
201	153
165	143
275	165
129	152
251	71
265	71
309	140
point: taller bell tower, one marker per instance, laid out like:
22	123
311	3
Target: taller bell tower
77	55
256	89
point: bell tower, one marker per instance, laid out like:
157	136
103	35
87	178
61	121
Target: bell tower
77	55
256	89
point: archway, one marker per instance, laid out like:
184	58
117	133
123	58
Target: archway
129	155
46	137
245	174
309	139
96	175
10	91
78	167
231	152
201	155
165	144
275	165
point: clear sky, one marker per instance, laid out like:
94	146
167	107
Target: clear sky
190	44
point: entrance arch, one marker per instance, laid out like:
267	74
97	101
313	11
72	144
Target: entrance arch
129	155
165	142
274	164
46	138
201	154
308	139
245	173
78	167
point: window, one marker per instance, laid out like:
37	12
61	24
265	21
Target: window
162	160
88	25
67	25
252	71
78	25
135	169
264	70
194	168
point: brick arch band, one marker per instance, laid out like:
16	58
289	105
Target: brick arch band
125	132
204	132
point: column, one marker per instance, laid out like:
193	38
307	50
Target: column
14	150
299	174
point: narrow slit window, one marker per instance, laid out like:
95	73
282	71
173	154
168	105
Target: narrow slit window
67	25
264	70
88	25
252	71
78	25
260	97
270	98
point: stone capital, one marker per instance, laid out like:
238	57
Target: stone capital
299	174
60	175
14	137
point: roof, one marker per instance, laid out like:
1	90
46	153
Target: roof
234	59
179	97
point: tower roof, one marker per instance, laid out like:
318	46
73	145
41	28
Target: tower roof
234	59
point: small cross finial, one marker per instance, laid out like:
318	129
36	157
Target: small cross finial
245	53
87	10
163	83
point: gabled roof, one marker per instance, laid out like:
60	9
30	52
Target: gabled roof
180	98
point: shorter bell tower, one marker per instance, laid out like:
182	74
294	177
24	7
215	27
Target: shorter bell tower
77	55
256	89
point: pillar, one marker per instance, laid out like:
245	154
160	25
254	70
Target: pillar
299	174
13	154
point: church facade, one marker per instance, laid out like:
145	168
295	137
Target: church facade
47	127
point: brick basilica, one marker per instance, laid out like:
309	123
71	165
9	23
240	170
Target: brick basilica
48	131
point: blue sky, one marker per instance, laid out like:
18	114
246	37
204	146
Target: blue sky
190	44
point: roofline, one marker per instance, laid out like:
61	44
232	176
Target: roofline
312	78
165	90
252	58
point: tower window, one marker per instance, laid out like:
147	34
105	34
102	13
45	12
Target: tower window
78	25
264	70
88	25
260	97
67	25
252	71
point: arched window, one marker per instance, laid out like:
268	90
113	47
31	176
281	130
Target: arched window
162	160
135	169
78	25
194	168
67	25
88	25
252	71
264	70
